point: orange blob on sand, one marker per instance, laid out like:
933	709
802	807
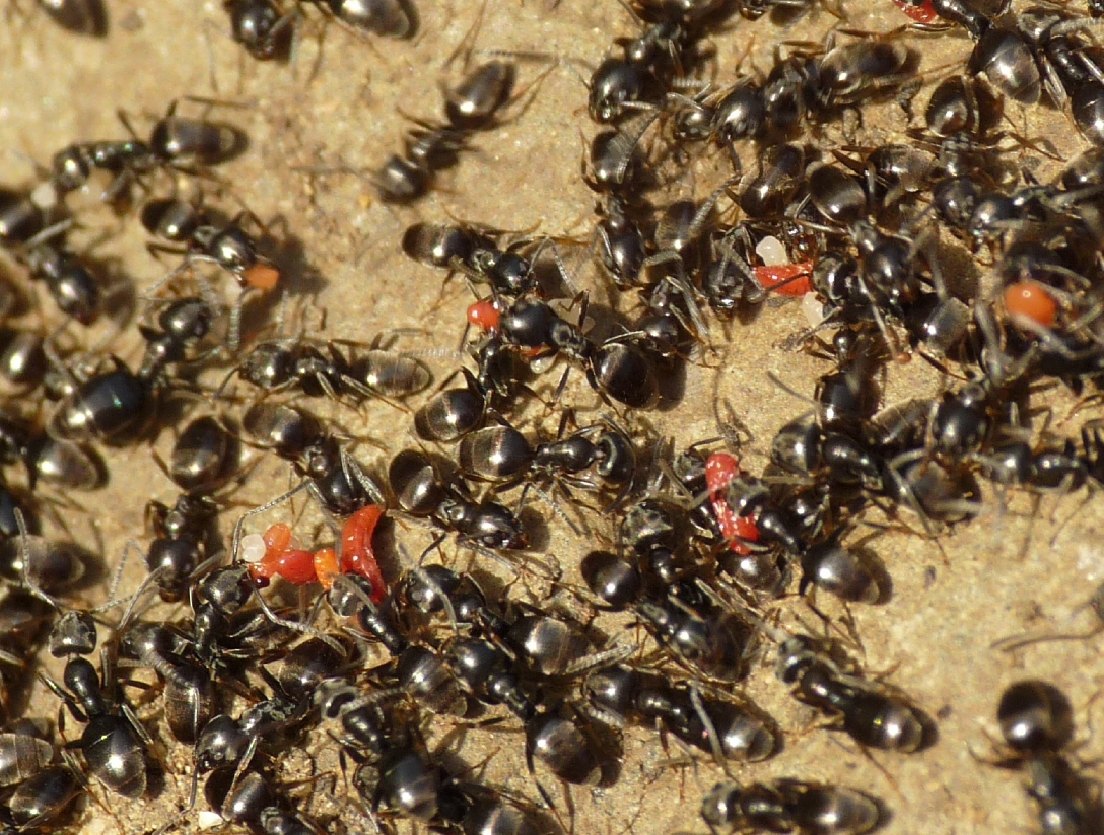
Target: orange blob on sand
262	276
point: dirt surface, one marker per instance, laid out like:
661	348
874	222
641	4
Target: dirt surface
1020	566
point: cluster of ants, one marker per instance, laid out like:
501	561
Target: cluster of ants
695	549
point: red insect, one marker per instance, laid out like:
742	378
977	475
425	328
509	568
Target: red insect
720	471
786	279
357	556
300	567
262	276
1032	303
923	12
485	314
295	565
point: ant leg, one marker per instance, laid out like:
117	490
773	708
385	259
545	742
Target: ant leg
236	537
467	42
352	470
552	504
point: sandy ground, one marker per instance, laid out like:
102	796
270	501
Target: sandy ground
1012	570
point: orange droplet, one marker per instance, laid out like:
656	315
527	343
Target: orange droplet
484	314
1029	301
326	567
262	276
277	538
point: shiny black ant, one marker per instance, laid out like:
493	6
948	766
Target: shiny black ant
420	491
680	241
247	797
620	243
174	141
1036	721
178	548
317	367
189	694
327	468
791	805
870	715
390	18
260	27
81	17
541	645
654	63
471	106
452	413
117	405
711	641
396	773
71	282
812	87
114	743
75	283
201	237
621	693
43	790
473	252
617	368
616	167
48	459
595	456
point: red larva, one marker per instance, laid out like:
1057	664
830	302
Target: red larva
484	314
295	565
923	12
300	567
720	470
357	556
786	279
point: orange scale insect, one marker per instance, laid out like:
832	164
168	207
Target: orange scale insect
1031	302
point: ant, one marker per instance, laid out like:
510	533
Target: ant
715	726
420	492
617	368
174	141
1036	721
868	714
790	805
595	456
317	367
80	17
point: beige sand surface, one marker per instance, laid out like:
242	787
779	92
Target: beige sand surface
951	598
